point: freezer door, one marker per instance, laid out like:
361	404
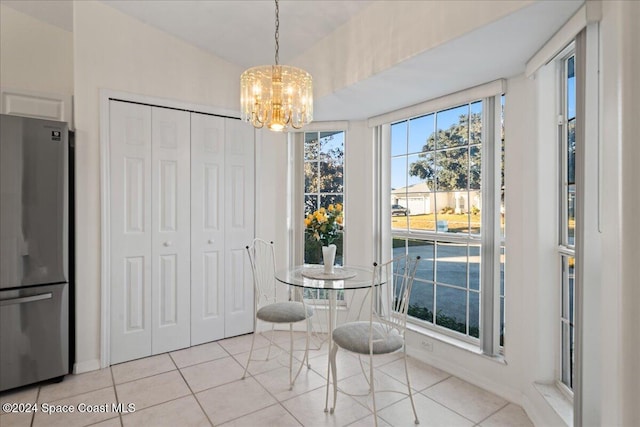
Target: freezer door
33	204
34	334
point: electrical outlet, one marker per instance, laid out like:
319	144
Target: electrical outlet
427	345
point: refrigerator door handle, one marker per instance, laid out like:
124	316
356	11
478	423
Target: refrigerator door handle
24	300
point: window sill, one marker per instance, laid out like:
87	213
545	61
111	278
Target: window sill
465	346
557	400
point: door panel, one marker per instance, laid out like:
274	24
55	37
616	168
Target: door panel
171	194
130	181
207	232
239	225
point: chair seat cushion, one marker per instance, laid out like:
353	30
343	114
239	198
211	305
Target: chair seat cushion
284	312
354	336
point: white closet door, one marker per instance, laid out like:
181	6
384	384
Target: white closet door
171	282
207	228
239	226
130	181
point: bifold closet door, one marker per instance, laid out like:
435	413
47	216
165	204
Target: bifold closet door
171	200
207	228
239	203
150	230
222	225
130	252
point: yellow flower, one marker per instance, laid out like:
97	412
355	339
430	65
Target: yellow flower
307	221
339	220
331	208
339	207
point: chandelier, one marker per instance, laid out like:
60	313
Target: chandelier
278	96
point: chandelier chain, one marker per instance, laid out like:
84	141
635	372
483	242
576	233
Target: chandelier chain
277	33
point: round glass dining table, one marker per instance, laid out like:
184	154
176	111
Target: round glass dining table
313	277
343	278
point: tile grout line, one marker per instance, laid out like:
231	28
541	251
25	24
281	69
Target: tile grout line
450	409
115	391
191	390
494	412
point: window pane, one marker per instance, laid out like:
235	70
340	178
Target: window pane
310	204
567	319
310	177
451	264
452	127
474	267
502	188
474	314
419	129
475	167
398	176
424	249
399	138
421	300
475	126
329	199
451	169
451	308
331	177
310	146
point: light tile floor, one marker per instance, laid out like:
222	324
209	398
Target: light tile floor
201	386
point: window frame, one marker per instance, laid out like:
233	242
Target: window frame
490	239
565	371
296	199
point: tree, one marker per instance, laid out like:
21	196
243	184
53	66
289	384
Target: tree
451	157
323	172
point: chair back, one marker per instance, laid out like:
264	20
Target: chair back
390	301
263	266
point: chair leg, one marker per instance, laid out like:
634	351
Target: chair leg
273	330
305	357
406	371
373	390
291	357
246	367
334	375
306	348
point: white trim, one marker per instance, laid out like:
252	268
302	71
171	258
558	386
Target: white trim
41	105
86	366
105	233
105	217
325	127
557	401
591	11
169	103
496	87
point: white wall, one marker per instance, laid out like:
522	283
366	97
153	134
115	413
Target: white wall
34	56
367	44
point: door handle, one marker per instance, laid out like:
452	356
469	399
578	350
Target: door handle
23	300
210	241
167	243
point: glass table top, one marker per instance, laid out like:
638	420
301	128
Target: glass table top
347	277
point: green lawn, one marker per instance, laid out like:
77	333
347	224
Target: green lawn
457	223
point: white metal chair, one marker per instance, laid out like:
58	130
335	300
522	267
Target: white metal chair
384	330
269	309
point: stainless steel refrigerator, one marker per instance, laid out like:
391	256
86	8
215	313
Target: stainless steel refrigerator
34	226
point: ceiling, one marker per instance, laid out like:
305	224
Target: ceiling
236	30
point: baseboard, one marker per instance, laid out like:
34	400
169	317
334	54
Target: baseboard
471	376
87	366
